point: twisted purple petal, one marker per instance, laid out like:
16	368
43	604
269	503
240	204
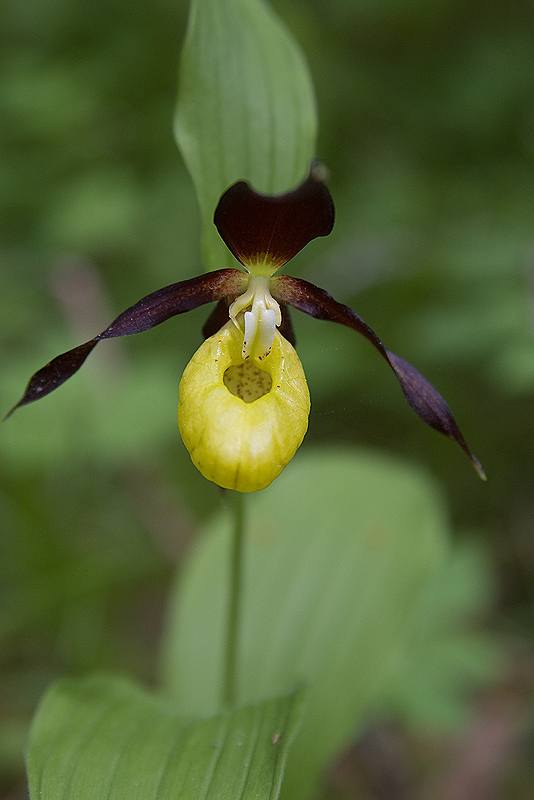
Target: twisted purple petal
150	311
420	394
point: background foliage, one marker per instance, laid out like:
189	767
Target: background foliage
427	128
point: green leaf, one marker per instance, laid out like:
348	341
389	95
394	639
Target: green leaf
246	106
339	551
105	738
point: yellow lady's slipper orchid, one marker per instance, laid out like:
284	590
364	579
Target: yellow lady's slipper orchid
242	421
244	403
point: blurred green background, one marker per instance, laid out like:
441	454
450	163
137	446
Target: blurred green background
427	128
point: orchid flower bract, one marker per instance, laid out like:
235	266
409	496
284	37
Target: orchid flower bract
243	398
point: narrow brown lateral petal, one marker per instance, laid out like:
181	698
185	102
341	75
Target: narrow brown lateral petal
420	394
152	310
429	404
175	299
54	373
257	226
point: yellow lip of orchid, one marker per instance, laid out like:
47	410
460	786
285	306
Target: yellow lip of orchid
242	420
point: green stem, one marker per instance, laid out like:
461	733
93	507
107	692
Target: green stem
234	600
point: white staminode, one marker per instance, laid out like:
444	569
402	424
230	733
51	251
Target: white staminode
259	322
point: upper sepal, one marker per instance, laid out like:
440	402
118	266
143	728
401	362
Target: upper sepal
271	229
420	394
150	311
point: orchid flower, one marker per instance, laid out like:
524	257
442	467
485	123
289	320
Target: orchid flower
243	398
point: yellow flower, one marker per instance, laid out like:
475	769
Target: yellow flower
242	420
244	403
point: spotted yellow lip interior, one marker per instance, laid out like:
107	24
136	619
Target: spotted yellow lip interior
247	381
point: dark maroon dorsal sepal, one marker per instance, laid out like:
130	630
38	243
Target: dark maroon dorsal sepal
258	227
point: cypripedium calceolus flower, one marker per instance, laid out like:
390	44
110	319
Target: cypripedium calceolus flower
244	402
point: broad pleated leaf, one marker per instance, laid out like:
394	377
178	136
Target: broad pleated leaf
246	106
339	551
105	739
